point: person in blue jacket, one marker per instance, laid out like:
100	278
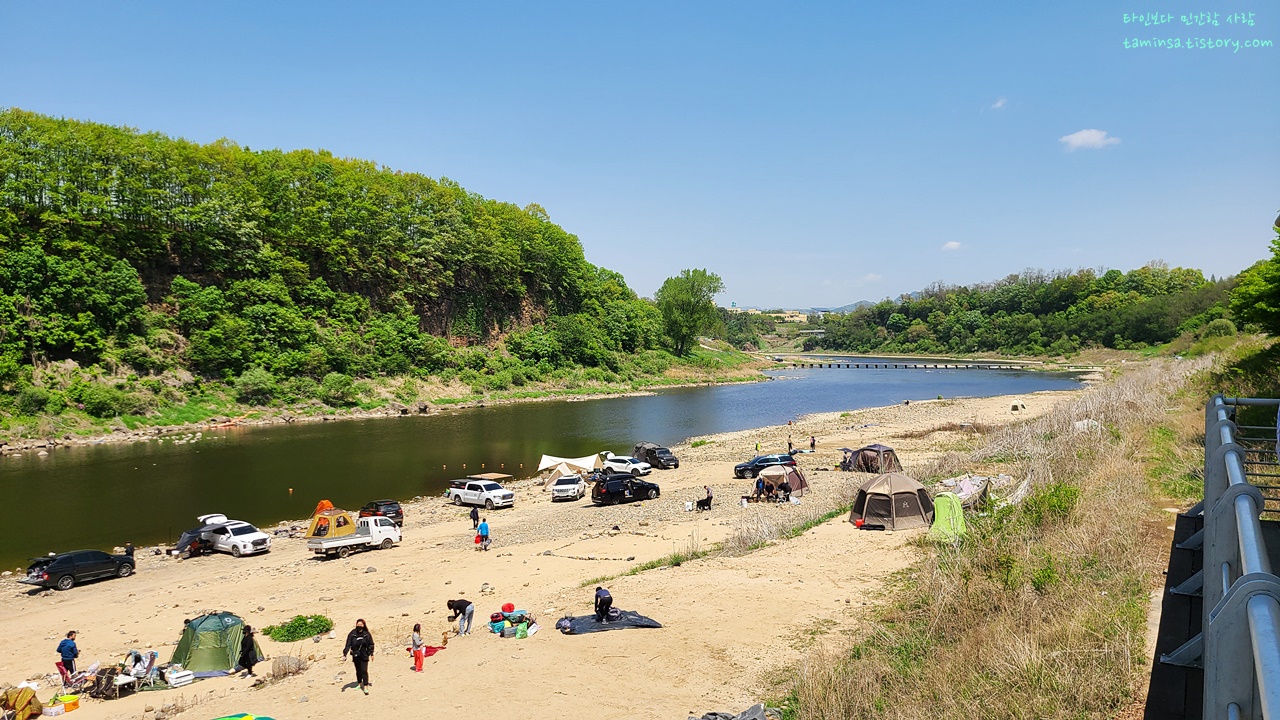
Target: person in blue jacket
69	652
483	531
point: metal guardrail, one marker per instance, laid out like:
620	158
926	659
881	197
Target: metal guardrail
1239	646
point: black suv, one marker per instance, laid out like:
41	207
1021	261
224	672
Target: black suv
622	487
660	458
65	570
752	467
384	508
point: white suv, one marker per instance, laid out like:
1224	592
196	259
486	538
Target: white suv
630	465
234	536
568	487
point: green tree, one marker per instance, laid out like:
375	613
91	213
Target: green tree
686	302
1256	297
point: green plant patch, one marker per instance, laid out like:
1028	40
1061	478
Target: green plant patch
300	627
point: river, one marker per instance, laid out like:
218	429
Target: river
147	493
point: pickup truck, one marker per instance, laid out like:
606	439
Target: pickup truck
482	490
371	532
618	463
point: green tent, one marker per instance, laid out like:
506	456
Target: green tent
948	518
210	644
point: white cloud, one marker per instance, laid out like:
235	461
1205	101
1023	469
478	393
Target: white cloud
871	277
1090	139
951	245
998	104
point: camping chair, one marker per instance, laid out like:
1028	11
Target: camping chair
71	681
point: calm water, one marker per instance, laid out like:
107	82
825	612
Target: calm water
103	495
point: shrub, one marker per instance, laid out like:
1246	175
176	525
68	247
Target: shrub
1221	327
102	401
338	389
1054	503
31	400
255	385
300	627
297	389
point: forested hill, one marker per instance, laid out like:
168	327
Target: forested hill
1035	313
138	249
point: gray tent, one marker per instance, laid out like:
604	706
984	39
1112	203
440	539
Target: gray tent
893	500
871	459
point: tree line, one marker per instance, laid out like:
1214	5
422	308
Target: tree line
134	250
1038	313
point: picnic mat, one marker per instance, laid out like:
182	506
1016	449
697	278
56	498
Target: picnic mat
587	623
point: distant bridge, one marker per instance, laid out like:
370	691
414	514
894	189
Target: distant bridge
904	366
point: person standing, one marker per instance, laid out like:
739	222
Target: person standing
483	531
360	648
128	550
463	610
708	489
757	446
813	442
248	651
475	517
68	651
604	601
790	447
417	646
759	488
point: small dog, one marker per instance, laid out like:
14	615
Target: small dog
444	639
704	504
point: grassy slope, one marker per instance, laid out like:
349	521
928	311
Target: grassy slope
1041	612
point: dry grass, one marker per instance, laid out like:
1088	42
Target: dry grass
1041	612
973	428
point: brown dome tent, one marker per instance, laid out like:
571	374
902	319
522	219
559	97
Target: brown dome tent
871	459
893	500
792	474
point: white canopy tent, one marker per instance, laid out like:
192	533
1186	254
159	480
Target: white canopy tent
582	464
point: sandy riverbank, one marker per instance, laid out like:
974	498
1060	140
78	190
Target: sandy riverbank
731	623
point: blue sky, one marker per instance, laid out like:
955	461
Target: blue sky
812	154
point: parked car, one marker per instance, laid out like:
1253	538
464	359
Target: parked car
631	465
371	532
657	456
62	572
234	536
752	467
384	508
614	488
568	487
661	458
481	490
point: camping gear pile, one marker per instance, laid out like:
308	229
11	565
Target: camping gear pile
513	623
20	703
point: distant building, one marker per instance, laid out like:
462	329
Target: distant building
790	316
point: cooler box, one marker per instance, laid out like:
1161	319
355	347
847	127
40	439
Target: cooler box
179	678
53	710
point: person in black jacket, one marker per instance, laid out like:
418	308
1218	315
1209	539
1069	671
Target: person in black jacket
604	601
360	647
248	651
475	518
463	610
